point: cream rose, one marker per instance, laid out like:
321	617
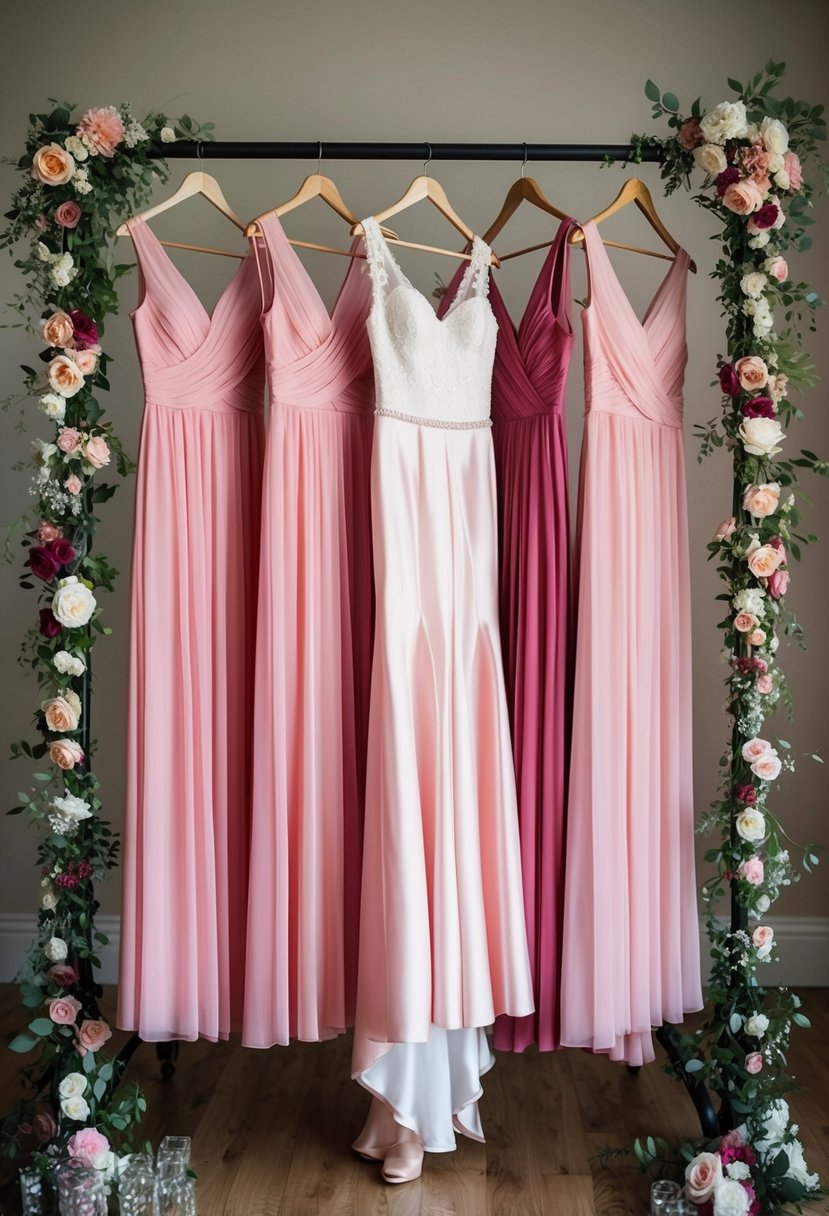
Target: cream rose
767	767
753	284
167	135
63	712
731	1198
702	1176
762	500
757	1025
73	1085
76	1108
52	165
77	147
751	825
752	372
49	899
728	120
761	436
56	950
66	753
57	330
65	376
68	664
774	135
710	158
53	406
764	561
73	603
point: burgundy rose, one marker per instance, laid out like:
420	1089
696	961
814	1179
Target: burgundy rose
758	407
49	626
747	794
43	563
85	329
729	380
62	551
766	217
725	179
777	584
62	974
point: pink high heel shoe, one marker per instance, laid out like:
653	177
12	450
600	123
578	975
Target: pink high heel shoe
403	1162
398	1148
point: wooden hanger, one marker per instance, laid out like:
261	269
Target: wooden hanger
316	185
194	183
423	187
635	191
525	189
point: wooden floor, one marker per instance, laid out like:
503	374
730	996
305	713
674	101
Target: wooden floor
271	1130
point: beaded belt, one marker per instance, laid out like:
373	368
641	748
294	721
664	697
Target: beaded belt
455	424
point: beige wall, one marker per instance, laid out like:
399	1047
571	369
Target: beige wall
529	71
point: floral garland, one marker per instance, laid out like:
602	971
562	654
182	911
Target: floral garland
79	181
752	152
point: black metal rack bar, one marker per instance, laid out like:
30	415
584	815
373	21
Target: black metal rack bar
245	149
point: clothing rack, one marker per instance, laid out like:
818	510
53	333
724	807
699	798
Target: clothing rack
521	153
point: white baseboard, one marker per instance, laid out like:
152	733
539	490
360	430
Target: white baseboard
803	943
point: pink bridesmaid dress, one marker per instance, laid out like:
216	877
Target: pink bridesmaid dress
194	576
631	936
530	442
313	654
443	947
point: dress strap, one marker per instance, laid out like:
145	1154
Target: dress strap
480	266
378	258
261	247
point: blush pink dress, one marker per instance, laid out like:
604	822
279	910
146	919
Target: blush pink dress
530	441
194	575
443	947
631	936
313	654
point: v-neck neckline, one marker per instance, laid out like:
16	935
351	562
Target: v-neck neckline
272	218
209	314
681	258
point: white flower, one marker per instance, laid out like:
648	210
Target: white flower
68	664
782	179
56	950
54	406
774	643
753	284
726	121
80	180
761	314
43	252
75	1108
738	1170
43	453
49	899
76	147
757	1025
67	813
73	1085
760	239
797	1167
730	1198
763	905
751	825
134	133
761	436
167	135
710	158
107	1163
750	600
63	270
774	135
73	603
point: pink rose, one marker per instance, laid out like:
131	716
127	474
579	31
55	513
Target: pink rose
779	269
86	331
702	1176
752	372
73	484
778	584
69	439
791	164
765	684
41	223
88	1146
744	622
56	330
96	451
762	500
757	637
86	361
762	936
92	1036
63	1010
102	130
52	165
68	214
754	1063
62	974
689	134
726	528
44	1127
743	198
754	749
778	386
764	561
47	531
767	767
752	870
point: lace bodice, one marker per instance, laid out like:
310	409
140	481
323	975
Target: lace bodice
437	370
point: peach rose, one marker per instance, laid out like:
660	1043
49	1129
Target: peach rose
757	637
53	165
47	531
96	451
752	870
754	1063
765	684
86	361
764	561
726	528
63	1010
754	748
69	439
66	753
762	936
762	500
744	622
73	484
92	1036
65	376
689	134
752	371
702	1176
64	712
767	767
57	330
743	197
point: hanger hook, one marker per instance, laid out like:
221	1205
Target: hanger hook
319	157
199	153
428	159
524	162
